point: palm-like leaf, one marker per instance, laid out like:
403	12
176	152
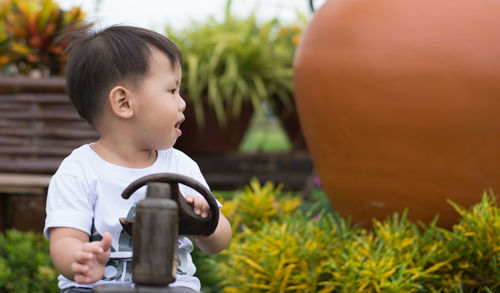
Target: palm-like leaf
234	62
30	29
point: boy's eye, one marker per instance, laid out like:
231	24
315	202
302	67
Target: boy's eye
172	91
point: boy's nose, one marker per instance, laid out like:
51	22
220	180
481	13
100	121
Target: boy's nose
182	103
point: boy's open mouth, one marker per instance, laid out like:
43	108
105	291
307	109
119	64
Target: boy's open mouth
178	124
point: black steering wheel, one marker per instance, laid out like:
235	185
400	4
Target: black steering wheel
190	224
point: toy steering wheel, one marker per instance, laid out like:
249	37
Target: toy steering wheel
189	223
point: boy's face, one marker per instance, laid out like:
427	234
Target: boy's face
158	107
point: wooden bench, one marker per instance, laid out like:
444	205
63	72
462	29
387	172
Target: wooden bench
22	201
38	125
23	183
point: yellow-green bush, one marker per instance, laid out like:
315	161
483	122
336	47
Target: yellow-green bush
258	204
473	247
249	209
301	252
282	256
278	247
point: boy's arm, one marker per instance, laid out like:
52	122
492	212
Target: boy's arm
75	257
218	240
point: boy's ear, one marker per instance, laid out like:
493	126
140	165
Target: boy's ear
120	102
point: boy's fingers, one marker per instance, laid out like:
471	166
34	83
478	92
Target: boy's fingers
106	241
82	279
92	247
79	268
201	207
205	212
83	256
98	246
189	198
197	205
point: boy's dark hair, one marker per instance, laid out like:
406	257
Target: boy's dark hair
99	60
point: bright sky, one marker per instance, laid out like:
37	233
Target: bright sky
156	14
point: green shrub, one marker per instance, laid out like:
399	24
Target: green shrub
298	251
25	265
248	209
394	257
234	62
258	204
282	256
474	247
279	247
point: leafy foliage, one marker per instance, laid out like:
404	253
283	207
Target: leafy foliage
234	62
289	256
304	252
279	247
474	246
4	59
258	204
25	264
248	209
29	31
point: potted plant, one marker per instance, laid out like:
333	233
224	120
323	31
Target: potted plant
3	36
286	41
230	69
28	32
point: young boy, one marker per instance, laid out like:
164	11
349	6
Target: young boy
125	82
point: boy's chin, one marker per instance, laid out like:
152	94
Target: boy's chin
169	145
166	147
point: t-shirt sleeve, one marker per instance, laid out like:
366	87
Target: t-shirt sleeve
69	204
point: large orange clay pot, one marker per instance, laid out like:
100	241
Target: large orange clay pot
399	101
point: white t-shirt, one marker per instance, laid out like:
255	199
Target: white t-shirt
85	194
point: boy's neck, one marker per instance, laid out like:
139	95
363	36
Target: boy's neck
124	156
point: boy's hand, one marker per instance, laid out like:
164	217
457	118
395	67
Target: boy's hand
200	205
222	234
89	262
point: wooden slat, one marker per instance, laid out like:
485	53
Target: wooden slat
34	151
8	140
13	141
30	114
24	180
40	98
23	183
7	107
25	165
45	142
11	123
22	84
53	132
